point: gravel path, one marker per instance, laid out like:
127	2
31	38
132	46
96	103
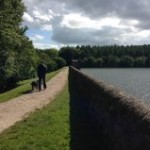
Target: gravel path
20	107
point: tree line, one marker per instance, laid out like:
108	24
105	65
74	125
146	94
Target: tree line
108	56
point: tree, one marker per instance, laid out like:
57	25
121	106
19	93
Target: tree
51	65
27	60
111	56
66	53
112	61
139	62
52	53
147	62
60	62
69	53
99	62
83	62
16	50
91	62
126	61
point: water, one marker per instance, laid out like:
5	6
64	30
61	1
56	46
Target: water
133	81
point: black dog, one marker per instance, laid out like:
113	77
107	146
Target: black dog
35	85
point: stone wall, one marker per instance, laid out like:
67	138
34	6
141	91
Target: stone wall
123	121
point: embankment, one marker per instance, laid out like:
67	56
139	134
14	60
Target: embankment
122	121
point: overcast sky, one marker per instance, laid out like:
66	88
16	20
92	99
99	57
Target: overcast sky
55	23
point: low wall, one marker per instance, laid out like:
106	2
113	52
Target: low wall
122	120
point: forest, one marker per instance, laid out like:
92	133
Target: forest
19	58
108	56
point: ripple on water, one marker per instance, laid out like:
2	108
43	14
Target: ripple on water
133	81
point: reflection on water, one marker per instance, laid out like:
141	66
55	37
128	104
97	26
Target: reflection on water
133	81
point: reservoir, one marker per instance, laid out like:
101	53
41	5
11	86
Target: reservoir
132	81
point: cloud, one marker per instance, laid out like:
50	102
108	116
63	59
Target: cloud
46	7
41	16
41	45
104	36
27	17
40	21
46	27
36	38
124	10
77	21
96	22
91	36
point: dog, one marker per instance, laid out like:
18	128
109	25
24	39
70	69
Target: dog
35	85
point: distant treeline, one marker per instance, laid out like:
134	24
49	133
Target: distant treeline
108	56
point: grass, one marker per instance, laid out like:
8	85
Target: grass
23	87
45	129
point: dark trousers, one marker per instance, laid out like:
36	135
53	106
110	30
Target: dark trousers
42	81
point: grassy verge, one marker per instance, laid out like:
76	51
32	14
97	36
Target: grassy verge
23	87
45	129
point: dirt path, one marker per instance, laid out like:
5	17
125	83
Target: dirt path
20	107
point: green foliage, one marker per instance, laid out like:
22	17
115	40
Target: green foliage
99	62
111	61
147	62
91	61
139	61
69	53
51	65
60	62
11	12
126	61
108	56
42	57
52	53
16	51
51	59
26	60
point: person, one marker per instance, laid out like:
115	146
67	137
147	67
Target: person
41	72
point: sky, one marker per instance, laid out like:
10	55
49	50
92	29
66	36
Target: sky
57	23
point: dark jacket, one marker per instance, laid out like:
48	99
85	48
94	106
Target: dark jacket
41	70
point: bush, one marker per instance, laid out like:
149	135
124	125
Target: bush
60	62
51	65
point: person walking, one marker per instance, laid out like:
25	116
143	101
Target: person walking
41	72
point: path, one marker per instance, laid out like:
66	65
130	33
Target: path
20	107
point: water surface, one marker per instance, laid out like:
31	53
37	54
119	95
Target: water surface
133	81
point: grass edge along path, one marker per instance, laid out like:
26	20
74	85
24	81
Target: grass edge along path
23	87
45	129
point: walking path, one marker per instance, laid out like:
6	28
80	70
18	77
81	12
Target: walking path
20	107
